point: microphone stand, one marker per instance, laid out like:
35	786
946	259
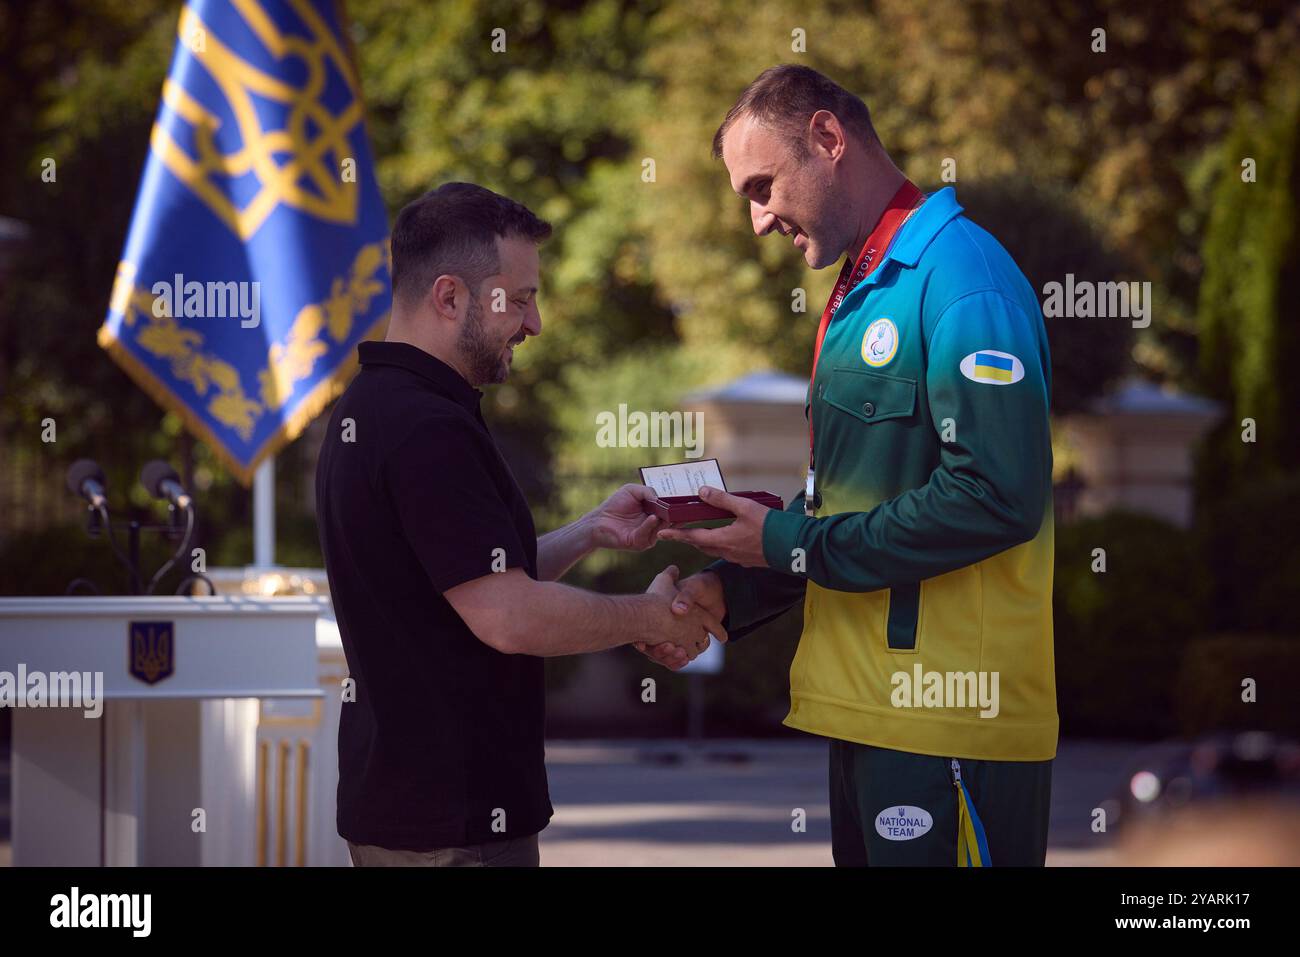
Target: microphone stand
99	521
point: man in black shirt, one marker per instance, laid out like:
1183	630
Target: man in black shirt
446	599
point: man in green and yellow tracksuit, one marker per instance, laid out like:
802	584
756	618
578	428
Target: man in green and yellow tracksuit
922	549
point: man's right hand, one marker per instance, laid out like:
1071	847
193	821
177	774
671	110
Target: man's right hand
701	592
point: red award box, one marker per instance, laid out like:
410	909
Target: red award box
679	509
683	508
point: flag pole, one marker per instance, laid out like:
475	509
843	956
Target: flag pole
264	514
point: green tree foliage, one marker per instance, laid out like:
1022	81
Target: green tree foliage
1249	350
652	379
1119	636
1003	90
90	115
1048	237
1251	533
549	120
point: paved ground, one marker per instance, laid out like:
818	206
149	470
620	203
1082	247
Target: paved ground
647	803
731	802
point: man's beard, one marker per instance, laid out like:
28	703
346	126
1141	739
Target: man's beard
828	225
481	355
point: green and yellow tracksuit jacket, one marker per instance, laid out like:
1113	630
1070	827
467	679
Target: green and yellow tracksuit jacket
931	544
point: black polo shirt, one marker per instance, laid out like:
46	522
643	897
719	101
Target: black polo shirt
413	498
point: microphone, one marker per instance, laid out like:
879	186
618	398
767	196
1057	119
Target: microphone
86	480
162	482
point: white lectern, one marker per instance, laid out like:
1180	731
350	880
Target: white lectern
167	775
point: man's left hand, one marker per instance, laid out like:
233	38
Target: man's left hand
741	542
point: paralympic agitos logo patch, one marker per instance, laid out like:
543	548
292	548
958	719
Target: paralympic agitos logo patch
880	342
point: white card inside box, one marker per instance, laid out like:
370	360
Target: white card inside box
683	478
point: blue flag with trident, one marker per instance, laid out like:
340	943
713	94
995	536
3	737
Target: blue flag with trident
257	256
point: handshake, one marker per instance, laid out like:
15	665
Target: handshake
697	607
671	623
694	606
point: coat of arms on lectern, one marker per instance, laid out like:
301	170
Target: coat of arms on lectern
151	656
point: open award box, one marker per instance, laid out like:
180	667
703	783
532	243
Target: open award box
678	489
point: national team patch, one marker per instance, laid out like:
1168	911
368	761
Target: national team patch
903	822
880	342
994	368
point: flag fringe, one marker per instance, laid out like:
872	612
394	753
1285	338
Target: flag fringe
320	396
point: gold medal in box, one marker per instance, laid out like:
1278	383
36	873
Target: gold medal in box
678	489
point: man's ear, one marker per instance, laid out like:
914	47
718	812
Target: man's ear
445	295
826	133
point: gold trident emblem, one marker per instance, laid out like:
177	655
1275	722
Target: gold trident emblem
301	177
151	650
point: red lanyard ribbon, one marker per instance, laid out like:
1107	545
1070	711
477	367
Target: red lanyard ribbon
895	214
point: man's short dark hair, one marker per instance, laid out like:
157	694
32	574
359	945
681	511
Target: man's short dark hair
784	98
452	230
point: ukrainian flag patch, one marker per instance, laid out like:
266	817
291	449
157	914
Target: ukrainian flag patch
992	367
